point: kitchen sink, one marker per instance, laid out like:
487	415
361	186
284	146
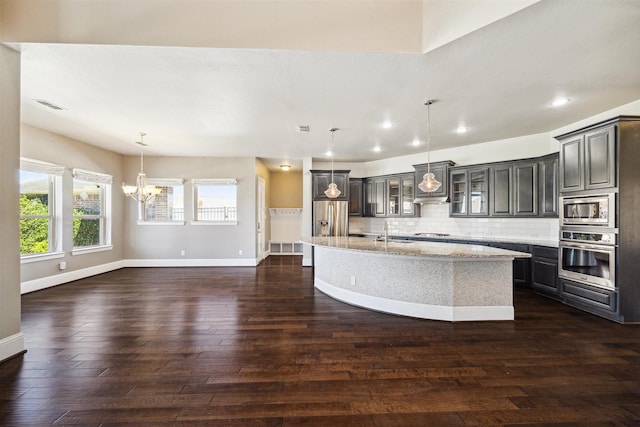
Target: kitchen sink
432	234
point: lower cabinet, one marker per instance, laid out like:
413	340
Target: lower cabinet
544	271
603	302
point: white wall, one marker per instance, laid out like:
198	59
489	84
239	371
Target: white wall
11	339
209	244
38	144
486	152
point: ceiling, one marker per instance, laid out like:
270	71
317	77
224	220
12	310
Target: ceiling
498	81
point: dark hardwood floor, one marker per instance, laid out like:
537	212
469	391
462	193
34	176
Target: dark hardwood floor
259	347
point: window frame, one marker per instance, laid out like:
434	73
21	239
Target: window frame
104	182
213	182
54	204
162	182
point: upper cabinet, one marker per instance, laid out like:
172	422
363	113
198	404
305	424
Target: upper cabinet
548	185
469	191
321	180
527	188
501	177
375	196
525	199
356	199
588	160
441	172
389	196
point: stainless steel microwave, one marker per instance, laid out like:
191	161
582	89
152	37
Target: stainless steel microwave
599	210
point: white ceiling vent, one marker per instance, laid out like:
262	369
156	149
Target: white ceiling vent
48	104
303	128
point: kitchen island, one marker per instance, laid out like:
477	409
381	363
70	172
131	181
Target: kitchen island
430	280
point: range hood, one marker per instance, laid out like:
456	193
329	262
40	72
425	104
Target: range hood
423	200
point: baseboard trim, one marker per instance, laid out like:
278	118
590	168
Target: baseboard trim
70	276
11	346
178	262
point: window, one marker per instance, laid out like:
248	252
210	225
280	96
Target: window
40	208
91	209
215	201
166	207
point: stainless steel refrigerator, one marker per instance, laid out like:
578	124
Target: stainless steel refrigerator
331	218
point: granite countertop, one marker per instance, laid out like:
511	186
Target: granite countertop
414	248
538	242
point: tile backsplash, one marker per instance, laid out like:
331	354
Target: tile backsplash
435	219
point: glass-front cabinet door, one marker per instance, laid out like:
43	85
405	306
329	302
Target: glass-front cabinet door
408	208
393	208
479	190
459	193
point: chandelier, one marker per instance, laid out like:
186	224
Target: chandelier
332	191
429	182
141	192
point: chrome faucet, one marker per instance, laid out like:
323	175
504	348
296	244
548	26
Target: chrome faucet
385	229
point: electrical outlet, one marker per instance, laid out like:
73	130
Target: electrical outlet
183	252
240	252
353	280
62	265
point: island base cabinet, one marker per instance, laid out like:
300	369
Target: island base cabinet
599	301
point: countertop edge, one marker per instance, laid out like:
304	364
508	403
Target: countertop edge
368	245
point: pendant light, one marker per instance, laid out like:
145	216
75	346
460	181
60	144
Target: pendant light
332	191
429	182
141	192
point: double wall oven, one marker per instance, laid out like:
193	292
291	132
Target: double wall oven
588	239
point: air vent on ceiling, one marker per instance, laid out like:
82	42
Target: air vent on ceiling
49	104
303	128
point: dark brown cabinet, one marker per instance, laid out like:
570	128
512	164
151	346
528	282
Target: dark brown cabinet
321	180
572	165
600	158
607	153
588	160
469	192
548	187
407	195
525	188
501	190
375	193
525	176
356	199
380	197
544	271
389	196
441	172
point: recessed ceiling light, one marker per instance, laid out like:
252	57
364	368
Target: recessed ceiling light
416	142
462	129
377	149
285	168
387	124
558	102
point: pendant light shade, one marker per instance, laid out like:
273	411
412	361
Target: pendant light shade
429	182
332	191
